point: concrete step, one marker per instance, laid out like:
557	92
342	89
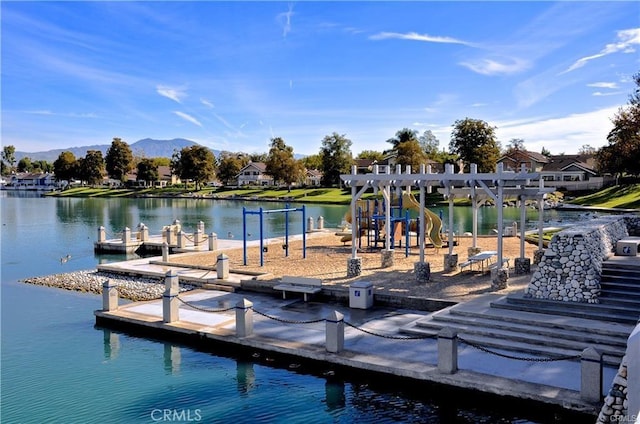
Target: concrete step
593	311
538	334
620	292
516	348
526	333
619	299
609	283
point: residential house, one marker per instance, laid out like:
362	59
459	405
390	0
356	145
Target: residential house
313	177
570	172
254	173
165	178
31	181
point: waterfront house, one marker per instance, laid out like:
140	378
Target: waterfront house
254	173
42	181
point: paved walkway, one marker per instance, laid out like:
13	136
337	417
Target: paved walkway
376	344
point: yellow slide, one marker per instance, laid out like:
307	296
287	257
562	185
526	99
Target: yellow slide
433	223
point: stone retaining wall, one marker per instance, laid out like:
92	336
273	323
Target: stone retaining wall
571	266
614	408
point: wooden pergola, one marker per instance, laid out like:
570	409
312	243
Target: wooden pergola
498	186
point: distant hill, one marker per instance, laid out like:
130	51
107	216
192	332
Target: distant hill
146	147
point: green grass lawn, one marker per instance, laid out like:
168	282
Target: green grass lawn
627	196
621	196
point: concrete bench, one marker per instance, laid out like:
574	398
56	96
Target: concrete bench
303	285
628	246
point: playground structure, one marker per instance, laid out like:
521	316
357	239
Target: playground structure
497	186
285	245
370	223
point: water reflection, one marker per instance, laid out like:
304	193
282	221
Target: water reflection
172	359
245	377
335	396
111	344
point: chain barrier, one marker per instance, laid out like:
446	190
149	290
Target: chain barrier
287	321
386	336
199	308
519	358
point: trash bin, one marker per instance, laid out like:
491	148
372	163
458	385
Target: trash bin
361	295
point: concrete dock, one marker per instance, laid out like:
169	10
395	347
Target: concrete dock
372	343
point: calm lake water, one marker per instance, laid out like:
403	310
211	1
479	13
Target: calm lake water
57	367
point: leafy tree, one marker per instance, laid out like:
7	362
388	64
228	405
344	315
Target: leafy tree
280	162
25	165
586	149
9	156
410	153
162	161
312	161
230	166
336	158
147	171
371	155
515	145
195	163
403	135
621	155
65	166
430	144
42	166
119	160
91	167
258	157
474	141
545	152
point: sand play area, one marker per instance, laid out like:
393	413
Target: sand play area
327	260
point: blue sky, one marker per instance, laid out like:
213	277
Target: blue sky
232	75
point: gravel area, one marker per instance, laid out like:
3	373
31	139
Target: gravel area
132	288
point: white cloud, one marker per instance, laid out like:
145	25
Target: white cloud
207	103
175	94
285	19
611	85
565	134
188	118
626	40
414	36
495	67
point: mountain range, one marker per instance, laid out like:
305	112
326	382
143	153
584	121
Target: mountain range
146	147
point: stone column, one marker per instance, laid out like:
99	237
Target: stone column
197	237
182	239
472	251
522	266
386	258
499	278
213	241
109	296
335	332
450	262
244	318
201	227
171	281
309	224
320	223
165	252
354	267
222	266
126	235
591	375
633	373
102	235
144	233
170	236
170	306
448	351
422	271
